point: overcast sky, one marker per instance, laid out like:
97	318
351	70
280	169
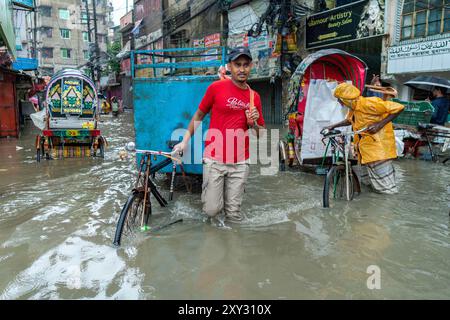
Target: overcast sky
119	9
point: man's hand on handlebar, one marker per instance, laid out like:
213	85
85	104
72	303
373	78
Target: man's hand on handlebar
178	149
325	130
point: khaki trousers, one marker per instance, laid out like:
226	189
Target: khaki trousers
223	188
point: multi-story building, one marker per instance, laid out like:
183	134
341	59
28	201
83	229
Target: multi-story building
419	43
63	39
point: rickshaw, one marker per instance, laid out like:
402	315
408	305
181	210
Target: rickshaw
70	120
332	65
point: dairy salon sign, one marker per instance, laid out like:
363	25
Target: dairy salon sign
358	20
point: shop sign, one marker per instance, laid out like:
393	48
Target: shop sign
355	21
421	49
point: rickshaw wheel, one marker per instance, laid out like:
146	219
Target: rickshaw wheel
102	150
39	148
282	155
130	217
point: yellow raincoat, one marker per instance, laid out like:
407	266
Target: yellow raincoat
364	112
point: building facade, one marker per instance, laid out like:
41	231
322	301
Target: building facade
62	33
419	43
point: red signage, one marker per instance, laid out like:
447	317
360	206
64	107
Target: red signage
213	40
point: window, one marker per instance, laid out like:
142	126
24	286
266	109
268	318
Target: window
64	14
47	31
422	18
84	18
65	33
45	11
65	53
85	36
86	54
47	52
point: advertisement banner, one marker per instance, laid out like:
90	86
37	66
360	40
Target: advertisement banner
198	43
355	21
262	50
213	40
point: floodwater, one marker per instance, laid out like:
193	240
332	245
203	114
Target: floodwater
58	218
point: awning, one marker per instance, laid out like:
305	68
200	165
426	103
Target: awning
7	37
25	64
26	4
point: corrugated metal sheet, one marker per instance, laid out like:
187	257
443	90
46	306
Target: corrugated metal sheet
270	94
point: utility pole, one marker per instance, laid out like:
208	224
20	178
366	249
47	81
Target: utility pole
88	18
34	30
97	48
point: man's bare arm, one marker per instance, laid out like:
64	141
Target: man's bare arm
193	124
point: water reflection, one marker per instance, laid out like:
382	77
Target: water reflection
58	219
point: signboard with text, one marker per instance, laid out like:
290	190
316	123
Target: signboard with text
420	49
425	56
358	20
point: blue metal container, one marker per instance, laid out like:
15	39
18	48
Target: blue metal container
165	100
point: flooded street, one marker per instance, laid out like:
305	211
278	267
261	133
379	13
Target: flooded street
58	218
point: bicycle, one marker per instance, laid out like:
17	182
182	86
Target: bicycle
337	181
137	210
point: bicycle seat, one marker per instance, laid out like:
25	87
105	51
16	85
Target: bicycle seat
332	132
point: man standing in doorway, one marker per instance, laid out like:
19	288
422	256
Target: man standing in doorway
234	108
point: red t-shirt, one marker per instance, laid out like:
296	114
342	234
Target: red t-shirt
227	140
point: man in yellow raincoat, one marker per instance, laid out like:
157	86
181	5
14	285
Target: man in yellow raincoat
376	145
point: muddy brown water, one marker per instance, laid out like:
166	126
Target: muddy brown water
58	218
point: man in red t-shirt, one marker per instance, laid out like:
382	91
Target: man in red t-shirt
233	107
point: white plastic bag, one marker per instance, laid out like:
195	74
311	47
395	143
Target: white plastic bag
400	146
39	119
322	109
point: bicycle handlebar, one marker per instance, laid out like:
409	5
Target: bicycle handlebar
327	133
171	155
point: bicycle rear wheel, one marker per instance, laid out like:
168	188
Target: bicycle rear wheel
335	188
131	216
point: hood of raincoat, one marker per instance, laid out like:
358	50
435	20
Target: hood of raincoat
347	93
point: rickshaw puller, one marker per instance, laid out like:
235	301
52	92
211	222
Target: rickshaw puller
376	146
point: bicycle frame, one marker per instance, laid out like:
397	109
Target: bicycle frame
341	147
146	165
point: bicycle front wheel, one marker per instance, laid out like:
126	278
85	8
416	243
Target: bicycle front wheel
335	187
131	217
